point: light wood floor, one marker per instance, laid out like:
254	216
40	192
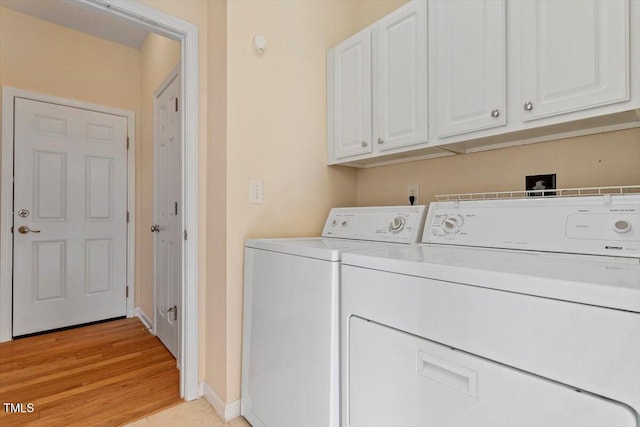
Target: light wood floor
107	374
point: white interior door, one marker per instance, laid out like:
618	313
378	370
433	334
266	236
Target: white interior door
70	206
168	213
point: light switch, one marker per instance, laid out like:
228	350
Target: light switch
256	191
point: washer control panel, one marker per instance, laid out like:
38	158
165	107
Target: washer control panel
595	225
398	224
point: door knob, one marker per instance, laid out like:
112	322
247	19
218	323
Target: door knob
155	228
23	229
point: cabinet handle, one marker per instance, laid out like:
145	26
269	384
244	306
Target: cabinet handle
528	106
380	140
495	113
364	143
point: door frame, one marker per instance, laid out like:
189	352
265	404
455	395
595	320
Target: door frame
9	94
187	34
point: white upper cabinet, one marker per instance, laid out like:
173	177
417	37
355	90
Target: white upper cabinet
349	103
473	75
400	77
575	55
468	65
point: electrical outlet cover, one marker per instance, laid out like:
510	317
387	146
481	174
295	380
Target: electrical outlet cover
540	182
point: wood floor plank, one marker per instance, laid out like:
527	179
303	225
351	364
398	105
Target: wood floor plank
106	374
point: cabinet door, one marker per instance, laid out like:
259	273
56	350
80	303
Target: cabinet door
400	77
575	55
349	100
468	60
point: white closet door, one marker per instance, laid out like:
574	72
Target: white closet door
71	193
168	215
573	67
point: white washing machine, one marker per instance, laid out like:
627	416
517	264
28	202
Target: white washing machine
513	313
290	357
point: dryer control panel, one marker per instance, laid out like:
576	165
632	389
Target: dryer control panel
594	225
397	224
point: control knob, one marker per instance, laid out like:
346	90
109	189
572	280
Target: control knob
397	224
452	224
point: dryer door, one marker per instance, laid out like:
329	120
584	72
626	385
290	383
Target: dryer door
398	379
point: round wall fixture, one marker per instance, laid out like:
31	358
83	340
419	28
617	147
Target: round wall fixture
260	43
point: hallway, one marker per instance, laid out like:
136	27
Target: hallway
106	374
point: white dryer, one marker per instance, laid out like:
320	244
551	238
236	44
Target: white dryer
290	357
513	313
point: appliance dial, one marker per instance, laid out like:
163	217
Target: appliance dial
334	222
622	226
397	224
452	224
345	223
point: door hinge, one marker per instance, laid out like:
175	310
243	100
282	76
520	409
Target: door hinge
126	291
127	143
11	230
176	103
127	217
185	234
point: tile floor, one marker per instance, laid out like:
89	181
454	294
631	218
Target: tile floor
197	413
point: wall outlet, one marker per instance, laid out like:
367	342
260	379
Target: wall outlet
256	191
413	190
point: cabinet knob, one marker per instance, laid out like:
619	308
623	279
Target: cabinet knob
528	106
380	140
495	113
364	143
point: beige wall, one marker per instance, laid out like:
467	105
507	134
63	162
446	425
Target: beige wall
216	234
369	11
159	56
605	159
38	56
276	132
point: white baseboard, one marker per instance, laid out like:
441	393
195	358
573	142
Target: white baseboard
225	411
144	319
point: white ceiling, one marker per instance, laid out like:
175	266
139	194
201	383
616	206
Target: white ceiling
80	19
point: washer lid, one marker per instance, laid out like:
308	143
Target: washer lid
595	280
311	247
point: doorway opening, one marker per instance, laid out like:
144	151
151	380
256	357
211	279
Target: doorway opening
187	35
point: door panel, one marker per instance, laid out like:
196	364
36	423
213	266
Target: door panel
99	191
168	199
49	273
400	78
71	176
469	65
50	186
352	96
569	68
